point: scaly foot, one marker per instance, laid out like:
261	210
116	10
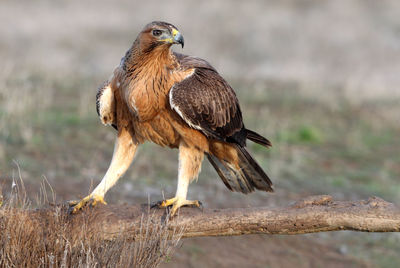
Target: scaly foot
176	203
92	200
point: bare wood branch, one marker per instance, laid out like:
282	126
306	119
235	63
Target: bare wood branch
310	215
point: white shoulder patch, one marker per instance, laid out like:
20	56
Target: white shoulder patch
107	106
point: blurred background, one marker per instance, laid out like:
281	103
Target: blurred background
320	79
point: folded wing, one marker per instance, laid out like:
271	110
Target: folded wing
205	101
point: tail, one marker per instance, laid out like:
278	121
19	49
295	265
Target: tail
248	177
257	138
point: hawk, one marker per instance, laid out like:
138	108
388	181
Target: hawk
175	101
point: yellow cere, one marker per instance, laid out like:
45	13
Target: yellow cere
171	40
174	32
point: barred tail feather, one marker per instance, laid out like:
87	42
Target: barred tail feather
252	170
233	179
248	177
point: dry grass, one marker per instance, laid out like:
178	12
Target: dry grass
31	242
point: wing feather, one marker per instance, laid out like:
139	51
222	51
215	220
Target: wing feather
205	101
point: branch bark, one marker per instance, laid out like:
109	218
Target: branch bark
310	215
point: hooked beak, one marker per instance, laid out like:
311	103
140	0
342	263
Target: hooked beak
178	37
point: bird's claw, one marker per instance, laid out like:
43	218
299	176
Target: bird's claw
156	204
175	203
75	205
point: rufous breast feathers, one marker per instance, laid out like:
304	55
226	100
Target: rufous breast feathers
147	94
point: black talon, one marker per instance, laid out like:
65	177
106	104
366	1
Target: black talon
201	205
70	204
70	209
156	204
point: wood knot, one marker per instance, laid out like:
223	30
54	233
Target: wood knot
317	200
377	202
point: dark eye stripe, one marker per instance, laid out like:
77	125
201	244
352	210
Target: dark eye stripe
157	32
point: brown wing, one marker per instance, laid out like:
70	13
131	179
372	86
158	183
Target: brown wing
206	102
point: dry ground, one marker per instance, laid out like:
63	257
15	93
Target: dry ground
320	81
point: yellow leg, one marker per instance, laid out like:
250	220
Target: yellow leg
176	203
124	152
88	200
180	203
167	203
189	167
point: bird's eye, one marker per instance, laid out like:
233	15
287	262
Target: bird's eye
157	32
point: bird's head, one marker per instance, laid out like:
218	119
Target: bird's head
159	34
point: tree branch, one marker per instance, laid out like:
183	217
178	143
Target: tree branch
310	215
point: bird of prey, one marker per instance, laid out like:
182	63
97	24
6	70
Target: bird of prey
175	101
